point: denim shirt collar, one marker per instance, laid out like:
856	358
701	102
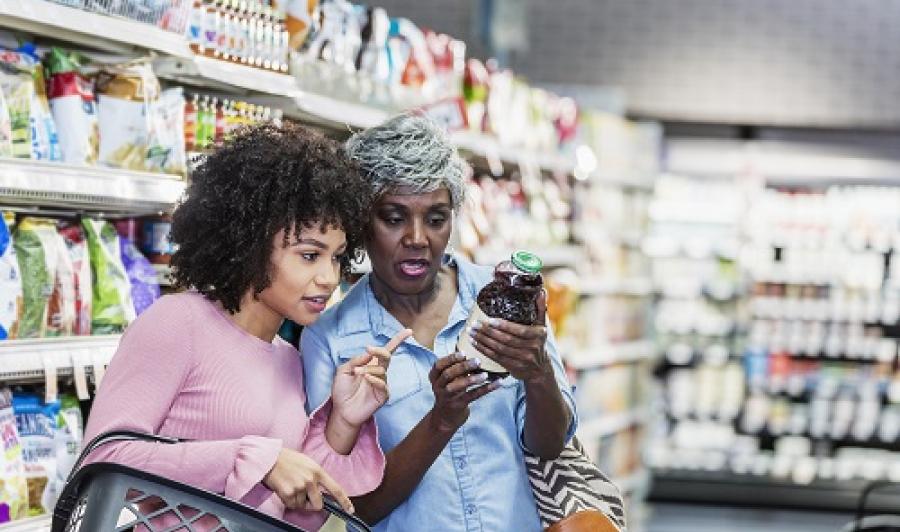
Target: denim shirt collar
365	313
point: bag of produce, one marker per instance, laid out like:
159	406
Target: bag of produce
13	486
37	255
126	95
10	283
73	236
167	153
73	106
113	308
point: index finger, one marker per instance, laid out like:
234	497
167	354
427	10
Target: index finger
527	332
336	491
398	339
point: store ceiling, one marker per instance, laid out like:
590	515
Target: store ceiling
813	63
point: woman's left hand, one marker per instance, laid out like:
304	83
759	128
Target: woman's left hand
360	385
519	348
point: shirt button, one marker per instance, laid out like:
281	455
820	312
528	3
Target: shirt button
461	463
470	509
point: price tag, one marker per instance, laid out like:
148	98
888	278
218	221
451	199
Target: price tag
80	359
449	112
99	368
51	384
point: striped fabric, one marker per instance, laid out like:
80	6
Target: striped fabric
572	483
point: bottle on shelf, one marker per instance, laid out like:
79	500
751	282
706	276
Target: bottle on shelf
190	123
195	27
211	26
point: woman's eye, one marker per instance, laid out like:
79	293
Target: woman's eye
437	220
310	257
393	220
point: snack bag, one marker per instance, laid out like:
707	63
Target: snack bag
61	313
17	83
67	437
10	284
6	149
36	423
37	255
125	95
142	274
166	153
74	108
73	236
13	486
113	308
45	139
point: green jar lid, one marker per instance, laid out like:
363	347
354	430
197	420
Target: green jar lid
527	261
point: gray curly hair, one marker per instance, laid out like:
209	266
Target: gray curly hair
410	152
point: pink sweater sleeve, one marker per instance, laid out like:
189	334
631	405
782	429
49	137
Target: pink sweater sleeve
147	373
358	473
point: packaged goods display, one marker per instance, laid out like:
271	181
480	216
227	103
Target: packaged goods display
14	487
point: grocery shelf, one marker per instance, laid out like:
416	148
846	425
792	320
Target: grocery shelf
724	487
606	355
608	424
102	32
206	72
30	183
29	524
490	148
552	256
633	286
26	359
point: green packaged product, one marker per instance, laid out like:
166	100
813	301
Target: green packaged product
112	309
37	253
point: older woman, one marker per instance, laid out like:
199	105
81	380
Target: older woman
454	444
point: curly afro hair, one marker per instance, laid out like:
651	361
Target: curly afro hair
266	179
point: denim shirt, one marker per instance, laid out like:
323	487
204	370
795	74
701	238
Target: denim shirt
479	481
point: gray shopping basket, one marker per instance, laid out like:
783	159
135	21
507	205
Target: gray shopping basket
108	497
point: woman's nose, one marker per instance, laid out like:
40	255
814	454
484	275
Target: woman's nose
415	237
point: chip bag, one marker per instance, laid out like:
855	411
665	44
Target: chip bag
166	153
113	308
74	107
126	95
37	255
10	283
13	486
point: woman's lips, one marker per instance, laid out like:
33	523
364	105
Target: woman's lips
414	268
316	304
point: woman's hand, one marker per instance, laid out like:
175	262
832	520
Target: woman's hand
518	348
298	481
451	377
360	385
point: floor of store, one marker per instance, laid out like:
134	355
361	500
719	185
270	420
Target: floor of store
671	517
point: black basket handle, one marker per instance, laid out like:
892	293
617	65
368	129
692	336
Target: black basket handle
331	505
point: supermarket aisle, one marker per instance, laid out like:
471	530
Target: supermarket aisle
666	517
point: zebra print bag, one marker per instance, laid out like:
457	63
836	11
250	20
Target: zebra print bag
572	483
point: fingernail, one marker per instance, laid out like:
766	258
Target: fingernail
475	362
472	332
481	377
475	326
494	322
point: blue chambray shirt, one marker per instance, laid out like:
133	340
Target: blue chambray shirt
479	482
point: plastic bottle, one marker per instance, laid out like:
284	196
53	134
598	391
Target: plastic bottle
210	30
190	123
195	26
220	124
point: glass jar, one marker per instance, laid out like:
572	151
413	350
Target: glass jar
512	296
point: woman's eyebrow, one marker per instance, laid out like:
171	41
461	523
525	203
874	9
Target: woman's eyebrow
312	242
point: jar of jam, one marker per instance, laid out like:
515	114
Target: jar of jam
512	296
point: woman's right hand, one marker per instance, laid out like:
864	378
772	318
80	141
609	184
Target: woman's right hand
298	480
451	377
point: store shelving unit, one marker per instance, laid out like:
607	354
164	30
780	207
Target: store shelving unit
30	524
101	190
34	183
812	415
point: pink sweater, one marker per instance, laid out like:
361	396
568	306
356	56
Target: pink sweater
183	369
